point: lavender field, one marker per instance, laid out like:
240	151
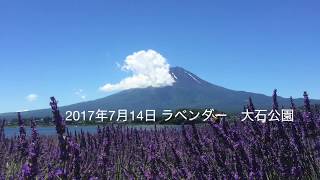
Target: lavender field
224	150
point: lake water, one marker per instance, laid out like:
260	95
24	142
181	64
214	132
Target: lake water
12	131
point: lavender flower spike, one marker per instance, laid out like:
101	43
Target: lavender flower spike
57	118
60	128
23	144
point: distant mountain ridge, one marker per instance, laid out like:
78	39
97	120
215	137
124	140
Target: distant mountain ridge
189	91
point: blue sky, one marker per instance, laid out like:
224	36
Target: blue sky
59	47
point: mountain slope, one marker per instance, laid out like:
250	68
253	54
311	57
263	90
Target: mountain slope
189	91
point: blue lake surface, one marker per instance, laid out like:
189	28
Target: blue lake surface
12	131
47	131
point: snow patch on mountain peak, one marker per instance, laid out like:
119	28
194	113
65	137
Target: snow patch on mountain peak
174	76
193	78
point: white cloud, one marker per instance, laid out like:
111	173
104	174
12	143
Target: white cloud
149	69
80	94
32	97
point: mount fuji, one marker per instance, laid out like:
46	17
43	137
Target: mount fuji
188	91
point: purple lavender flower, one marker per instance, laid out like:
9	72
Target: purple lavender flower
26	171
76	160
275	105
30	168
34	150
307	105
2	135
23	144
251	106
57	118
226	150
60	128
